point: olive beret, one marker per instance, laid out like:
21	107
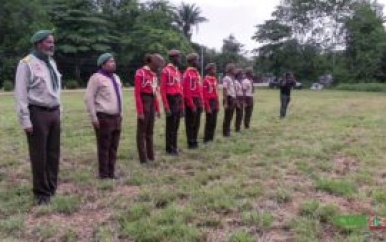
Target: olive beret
40	35
103	58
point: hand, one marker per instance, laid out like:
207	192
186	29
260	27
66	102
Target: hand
194	109
96	124
141	116
158	115
28	130
168	113
208	111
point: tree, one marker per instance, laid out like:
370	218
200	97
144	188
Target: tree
187	16
82	33
366	42
16	29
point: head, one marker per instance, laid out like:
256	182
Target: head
239	74
193	60
175	57
249	73
106	62
230	69
44	42
154	61
288	76
211	69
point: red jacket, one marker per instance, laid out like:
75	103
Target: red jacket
145	82
192	86
209	91
170	84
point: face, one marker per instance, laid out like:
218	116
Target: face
212	71
47	46
195	63
109	65
176	59
156	63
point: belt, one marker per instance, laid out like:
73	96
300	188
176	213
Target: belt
107	115
43	108
147	94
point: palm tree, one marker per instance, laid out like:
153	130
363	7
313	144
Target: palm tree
187	16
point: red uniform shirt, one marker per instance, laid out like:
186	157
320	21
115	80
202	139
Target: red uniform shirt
170	84
192	86
209	91
145	83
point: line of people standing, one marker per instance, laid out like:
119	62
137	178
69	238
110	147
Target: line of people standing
38	105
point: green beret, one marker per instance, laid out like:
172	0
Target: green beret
103	58
40	35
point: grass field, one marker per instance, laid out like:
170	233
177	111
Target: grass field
280	181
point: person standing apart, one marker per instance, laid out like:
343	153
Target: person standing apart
193	100
146	85
229	95
172	98
249	90
104	104
286	84
211	101
239	99
37	93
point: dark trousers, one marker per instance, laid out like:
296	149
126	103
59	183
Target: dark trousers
192	122
211	121
108	136
145	129
248	109
239	113
44	150
284	100
173	122
228	116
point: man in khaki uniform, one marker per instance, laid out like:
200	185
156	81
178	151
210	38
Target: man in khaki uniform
104	105
229	96
37	92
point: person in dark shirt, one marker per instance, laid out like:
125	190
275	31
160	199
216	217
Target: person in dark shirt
286	84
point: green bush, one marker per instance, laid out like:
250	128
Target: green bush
71	84
8	86
362	87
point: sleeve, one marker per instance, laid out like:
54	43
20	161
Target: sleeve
164	80
225	86
201	91
21	94
187	94
91	91
156	103
217	96
139	75
205	87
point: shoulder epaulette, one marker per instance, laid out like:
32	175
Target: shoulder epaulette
27	59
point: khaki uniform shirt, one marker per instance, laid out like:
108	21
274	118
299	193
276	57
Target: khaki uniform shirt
33	86
101	96
229	84
248	87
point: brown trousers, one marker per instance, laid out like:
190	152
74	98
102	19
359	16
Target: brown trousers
44	150
239	113
173	122
248	109
145	129
228	116
211	121
192	122
108	136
